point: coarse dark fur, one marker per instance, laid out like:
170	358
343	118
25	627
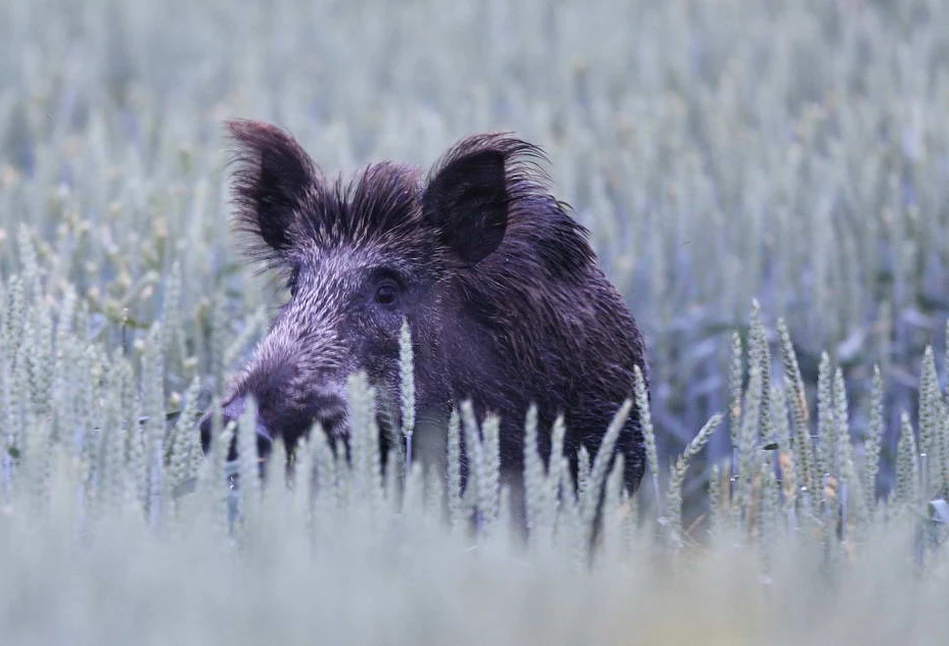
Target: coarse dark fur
501	290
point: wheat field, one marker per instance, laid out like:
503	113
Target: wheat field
764	182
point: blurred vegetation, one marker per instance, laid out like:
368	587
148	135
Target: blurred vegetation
722	153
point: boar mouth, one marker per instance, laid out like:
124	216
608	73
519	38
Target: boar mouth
273	423
231	412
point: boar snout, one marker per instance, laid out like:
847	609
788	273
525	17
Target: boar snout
231	412
279	419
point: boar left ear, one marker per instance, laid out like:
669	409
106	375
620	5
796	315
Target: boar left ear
273	179
467	202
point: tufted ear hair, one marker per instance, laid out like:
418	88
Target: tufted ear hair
272	182
470	191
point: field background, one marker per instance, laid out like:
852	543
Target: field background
720	152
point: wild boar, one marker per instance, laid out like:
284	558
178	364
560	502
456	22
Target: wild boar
503	294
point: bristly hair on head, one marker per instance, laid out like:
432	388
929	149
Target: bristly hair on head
377	203
486	189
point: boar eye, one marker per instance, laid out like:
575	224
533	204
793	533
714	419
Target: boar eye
386	293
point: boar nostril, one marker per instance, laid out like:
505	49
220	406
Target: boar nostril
231	412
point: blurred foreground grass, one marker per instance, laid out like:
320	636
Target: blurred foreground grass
115	529
719	151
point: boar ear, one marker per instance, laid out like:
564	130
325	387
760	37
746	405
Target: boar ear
274	176
467	201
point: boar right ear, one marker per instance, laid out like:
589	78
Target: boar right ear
466	201
472	189
274	176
